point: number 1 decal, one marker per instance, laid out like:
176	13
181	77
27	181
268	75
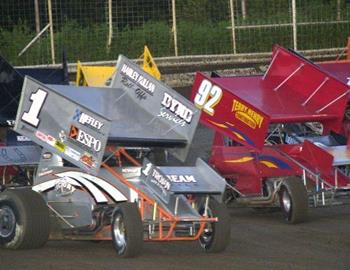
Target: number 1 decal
207	97
38	99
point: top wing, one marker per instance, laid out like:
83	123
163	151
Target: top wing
162	111
138	111
56	122
292	90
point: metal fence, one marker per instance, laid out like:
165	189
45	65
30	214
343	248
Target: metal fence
37	31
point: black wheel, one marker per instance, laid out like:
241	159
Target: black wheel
293	200
127	230
216	235
24	219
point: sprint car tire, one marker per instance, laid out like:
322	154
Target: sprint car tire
24	219
127	230
293	200
216	235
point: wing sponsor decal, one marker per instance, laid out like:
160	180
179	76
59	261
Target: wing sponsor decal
247	115
182	178
84	138
97	187
87	120
145	84
181	111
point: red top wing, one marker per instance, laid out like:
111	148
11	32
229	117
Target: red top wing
228	113
292	90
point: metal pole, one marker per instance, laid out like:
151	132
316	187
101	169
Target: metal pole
338	10
37	16
51	32
233	27
294	22
244	9
34	39
110	25
173	6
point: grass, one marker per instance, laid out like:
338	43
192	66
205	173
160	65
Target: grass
200	34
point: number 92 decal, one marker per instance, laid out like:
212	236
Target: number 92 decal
32	116
207	97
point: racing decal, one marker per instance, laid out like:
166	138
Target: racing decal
84	138
138	79
157	180
237	133
177	108
51	140
74	154
87	120
64	188
107	188
60	146
32	116
181	178
207	97
163	113
41	136
239	160
88	160
247	115
267	160
95	186
22	138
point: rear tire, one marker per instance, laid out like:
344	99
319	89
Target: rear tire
127	230
293	200
24	219
216	235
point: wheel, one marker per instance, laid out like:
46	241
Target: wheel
24	219
127	230
216	235
293	200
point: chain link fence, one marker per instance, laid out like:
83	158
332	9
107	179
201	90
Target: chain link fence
38	31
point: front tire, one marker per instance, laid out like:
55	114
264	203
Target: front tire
216	235
293	200
24	219
127	230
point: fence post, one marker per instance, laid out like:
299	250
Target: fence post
294	19
110	26
338	10
49	6
233	27
37	16
173	7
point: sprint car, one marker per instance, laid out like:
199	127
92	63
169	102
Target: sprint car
80	189
260	168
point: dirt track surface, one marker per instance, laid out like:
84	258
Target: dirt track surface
258	241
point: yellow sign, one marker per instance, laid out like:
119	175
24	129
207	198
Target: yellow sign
98	75
149	65
247	115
